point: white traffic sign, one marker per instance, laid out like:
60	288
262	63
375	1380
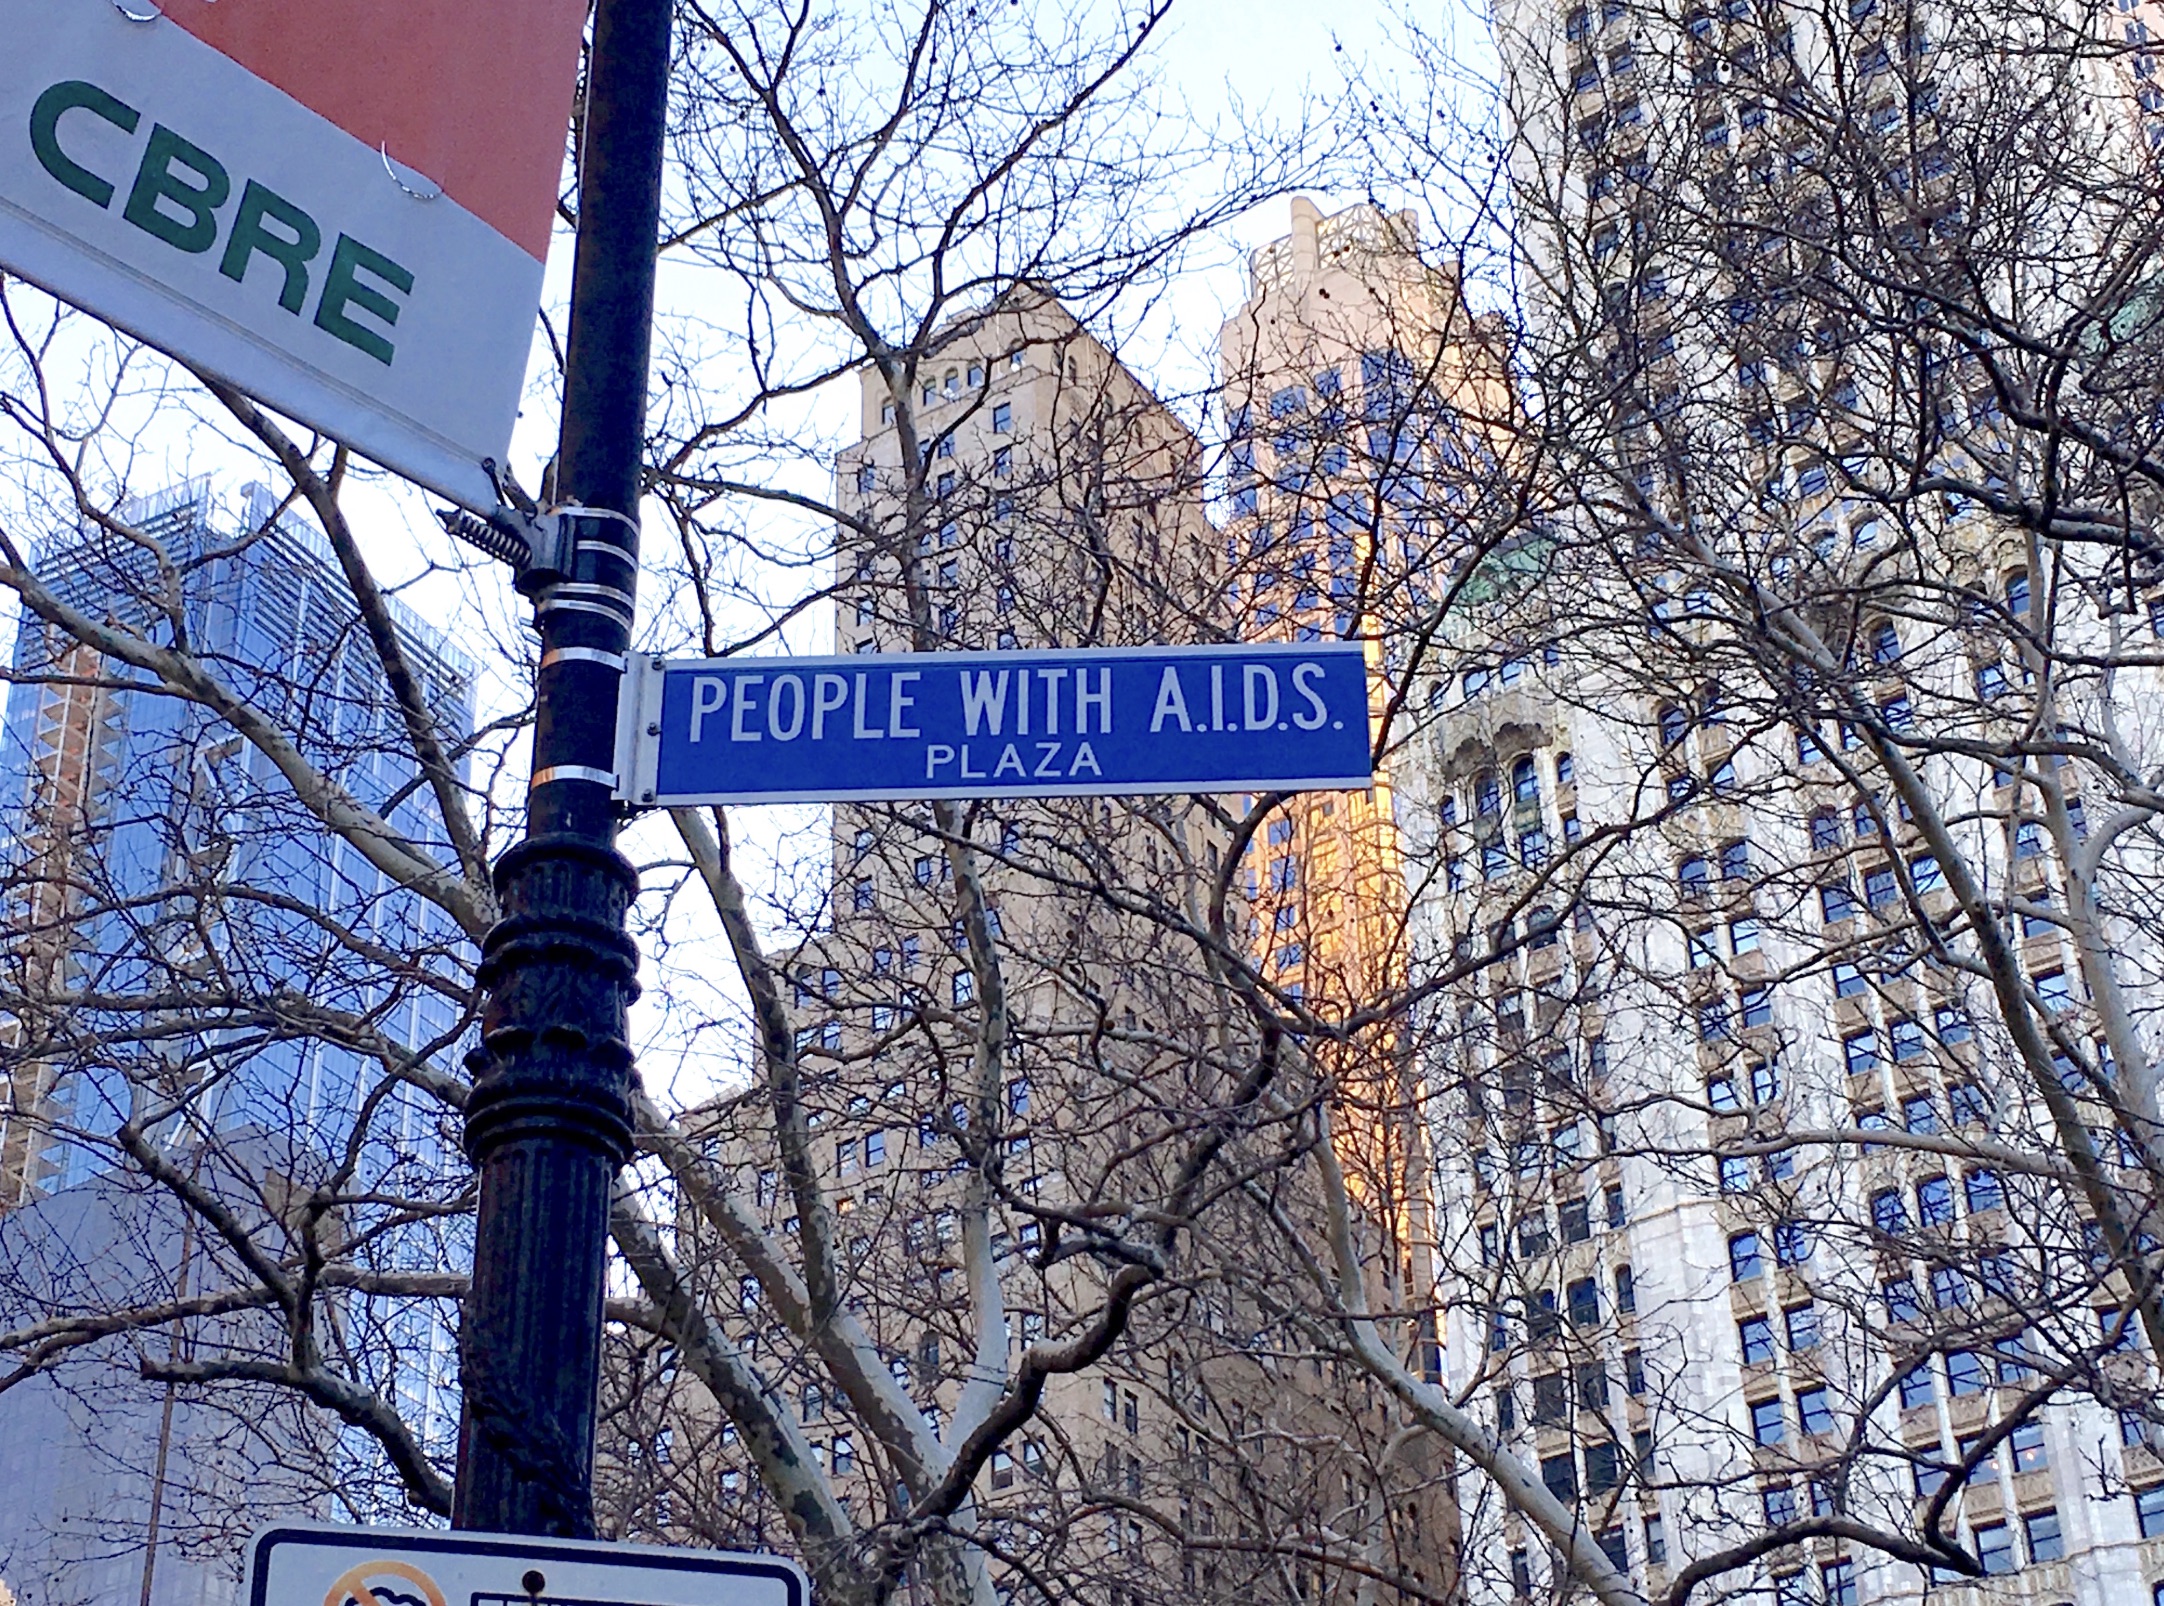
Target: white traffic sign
340	206
320	1566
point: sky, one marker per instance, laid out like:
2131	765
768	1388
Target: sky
1233	62
1227	60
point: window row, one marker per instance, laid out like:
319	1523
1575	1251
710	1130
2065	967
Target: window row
1525	788
1934	1198
1573	1224
1770	1420
1556	1395
870	479
1581	1302
1881	889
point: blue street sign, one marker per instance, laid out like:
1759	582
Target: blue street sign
1093	722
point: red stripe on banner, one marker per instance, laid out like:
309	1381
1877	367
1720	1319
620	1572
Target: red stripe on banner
473	94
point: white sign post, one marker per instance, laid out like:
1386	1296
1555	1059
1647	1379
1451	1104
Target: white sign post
311	1566
341	207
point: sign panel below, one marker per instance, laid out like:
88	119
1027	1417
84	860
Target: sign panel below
1078	723
322	1566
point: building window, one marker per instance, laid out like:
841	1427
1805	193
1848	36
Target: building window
1582	1300
1934	1202
1908	1039
1745	1256
1756	1335
2030	1452
1603	1471
2149	1512
2041	1528
1901	1302
1560	1474
1889	1213
1768	1425
1577	1221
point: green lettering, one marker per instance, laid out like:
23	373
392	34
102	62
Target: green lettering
249	237
75	95
156	181
342	289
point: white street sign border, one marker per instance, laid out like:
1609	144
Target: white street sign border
398	1542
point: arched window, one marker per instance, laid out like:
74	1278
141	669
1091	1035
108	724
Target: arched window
1694	875
1566	770
1487	797
1825	830
2017	592
1476	682
1524	782
1886	645
1674	724
1450	810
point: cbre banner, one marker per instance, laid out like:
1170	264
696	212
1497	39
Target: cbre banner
341	207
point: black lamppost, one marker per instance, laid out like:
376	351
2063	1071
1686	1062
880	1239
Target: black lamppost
549	1122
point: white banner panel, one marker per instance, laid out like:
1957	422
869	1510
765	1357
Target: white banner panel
162	184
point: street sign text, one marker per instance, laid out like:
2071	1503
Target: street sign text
1000	724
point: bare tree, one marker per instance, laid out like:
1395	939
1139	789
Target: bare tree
257	1041
1830	650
